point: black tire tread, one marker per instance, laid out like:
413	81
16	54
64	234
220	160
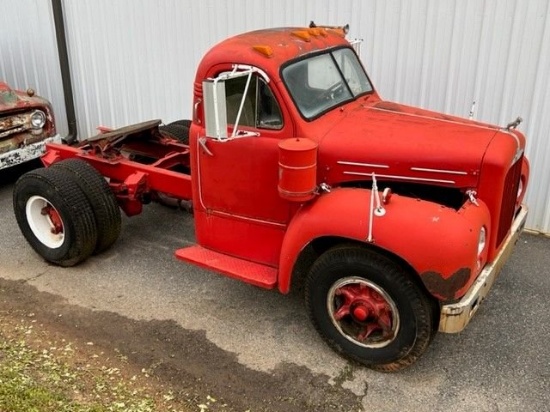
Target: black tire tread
182	122
394	274
177	132
101	198
59	188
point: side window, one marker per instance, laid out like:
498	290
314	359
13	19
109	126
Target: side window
259	107
269	112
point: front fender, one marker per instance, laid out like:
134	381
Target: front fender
438	242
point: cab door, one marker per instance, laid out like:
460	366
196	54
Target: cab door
243	214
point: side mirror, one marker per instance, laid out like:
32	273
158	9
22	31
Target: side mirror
215	111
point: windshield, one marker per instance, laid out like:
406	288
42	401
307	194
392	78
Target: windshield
319	83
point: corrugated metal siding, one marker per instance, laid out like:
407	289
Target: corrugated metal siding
28	52
134	60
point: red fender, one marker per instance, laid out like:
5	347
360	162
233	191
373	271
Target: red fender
438	242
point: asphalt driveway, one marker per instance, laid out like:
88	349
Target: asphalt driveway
501	362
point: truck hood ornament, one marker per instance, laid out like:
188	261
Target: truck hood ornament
514	124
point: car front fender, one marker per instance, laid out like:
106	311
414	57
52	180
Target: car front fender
439	243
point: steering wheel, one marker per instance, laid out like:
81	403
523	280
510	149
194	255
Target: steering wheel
332	91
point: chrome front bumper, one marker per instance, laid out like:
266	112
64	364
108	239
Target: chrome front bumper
454	317
26	153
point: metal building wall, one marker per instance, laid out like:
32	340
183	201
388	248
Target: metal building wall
134	60
28	52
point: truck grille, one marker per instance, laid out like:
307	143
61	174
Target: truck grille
12	124
509	196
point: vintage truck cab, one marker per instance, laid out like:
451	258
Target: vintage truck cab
398	219
457	184
26	125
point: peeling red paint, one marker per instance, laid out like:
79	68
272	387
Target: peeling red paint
19	142
446	288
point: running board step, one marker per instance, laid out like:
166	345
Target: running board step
249	272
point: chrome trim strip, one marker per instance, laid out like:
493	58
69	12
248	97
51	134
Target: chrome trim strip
519	150
246	219
451	172
420	179
494	128
342	162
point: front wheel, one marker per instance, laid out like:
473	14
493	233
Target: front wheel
367	308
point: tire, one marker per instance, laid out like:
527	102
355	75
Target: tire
183	122
55	216
368	309
101	198
176	132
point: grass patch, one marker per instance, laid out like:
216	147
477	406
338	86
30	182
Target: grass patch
57	378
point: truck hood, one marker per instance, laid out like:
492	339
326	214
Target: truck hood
13	99
403	143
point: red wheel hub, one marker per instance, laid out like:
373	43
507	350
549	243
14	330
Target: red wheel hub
366	309
55	219
361	312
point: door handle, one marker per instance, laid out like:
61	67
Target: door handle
202	142
196	111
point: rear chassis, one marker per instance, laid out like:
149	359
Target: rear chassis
140	163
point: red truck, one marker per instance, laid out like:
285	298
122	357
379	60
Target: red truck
397	219
26	125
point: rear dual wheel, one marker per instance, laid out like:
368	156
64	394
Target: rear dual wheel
101	198
183	122
368	309
54	216
66	212
179	131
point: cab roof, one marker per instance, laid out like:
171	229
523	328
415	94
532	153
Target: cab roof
268	49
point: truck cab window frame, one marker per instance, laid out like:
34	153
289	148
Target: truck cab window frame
261	109
323	81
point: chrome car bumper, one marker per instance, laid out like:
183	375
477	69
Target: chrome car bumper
26	153
454	317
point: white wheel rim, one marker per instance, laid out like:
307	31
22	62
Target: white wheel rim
41	224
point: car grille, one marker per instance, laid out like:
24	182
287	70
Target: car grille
509	197
12	124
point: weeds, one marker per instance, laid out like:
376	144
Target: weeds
49	379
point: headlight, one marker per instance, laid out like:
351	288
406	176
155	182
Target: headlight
482	241
520	188
38	119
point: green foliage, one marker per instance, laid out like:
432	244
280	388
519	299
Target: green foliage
34	381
